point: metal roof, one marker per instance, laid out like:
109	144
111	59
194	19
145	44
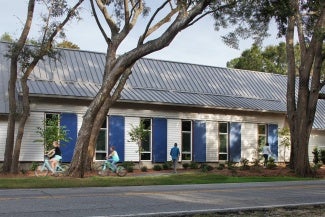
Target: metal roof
78	74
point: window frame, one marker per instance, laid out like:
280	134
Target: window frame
227	142
103	128
148	153
188	153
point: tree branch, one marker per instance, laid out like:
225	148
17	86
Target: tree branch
110	22
107	39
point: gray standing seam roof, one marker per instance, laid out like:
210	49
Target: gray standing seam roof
78	74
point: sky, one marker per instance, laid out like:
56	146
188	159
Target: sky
198	44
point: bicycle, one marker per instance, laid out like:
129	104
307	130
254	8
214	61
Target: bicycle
43	168
107	167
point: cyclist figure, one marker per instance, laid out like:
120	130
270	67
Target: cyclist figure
56	157
113	157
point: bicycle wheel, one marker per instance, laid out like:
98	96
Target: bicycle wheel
100	170
41	170
121	171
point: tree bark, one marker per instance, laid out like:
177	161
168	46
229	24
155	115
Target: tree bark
15	52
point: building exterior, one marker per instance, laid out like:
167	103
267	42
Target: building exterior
214	114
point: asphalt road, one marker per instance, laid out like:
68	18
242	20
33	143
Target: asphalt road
169	200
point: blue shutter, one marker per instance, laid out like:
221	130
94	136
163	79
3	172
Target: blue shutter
159	140
199	141
69	121
235	142
273	140
116	134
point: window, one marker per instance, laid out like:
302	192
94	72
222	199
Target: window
101	143
223	141
262	135
146	143
51	129
186	148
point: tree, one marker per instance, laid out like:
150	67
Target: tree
139	135
6	37
52	131
67	44
272	59
27	58
162	26
306	19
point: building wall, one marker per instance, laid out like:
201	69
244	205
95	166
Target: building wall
33	151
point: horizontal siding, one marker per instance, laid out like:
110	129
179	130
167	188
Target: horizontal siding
174	132
3	136
317	139
212	141
249	141
31	150
131	148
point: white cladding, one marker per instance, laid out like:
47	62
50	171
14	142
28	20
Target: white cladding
212	141
3	136
131	148
249	141
174	132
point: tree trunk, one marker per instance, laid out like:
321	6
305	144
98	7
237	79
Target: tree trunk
16	49
22	123
100	118
12	116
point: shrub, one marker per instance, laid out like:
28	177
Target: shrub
128	165
221	166
231	165
144	169
34	166
244	164
271	163
167	165
185	165
316	154
156	167
194	165
322	156
206	167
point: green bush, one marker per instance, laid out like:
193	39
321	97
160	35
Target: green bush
271	163
205	168
144	169
194	165
316	154
34	166
128	165
167	165
244	164
157	167
322	156
186	165
221	166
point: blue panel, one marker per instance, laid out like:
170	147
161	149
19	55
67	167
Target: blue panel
70	122
273	140
116	134
159	140
199	141
235	142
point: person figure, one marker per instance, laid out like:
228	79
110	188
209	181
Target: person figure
174	153
57	155
113	157
266	153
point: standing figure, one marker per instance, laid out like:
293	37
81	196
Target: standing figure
174	153
266	153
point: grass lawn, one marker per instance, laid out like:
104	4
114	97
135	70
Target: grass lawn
165	179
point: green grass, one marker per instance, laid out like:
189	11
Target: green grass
96	181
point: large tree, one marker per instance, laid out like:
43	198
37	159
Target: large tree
24	58
306	20
167	19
